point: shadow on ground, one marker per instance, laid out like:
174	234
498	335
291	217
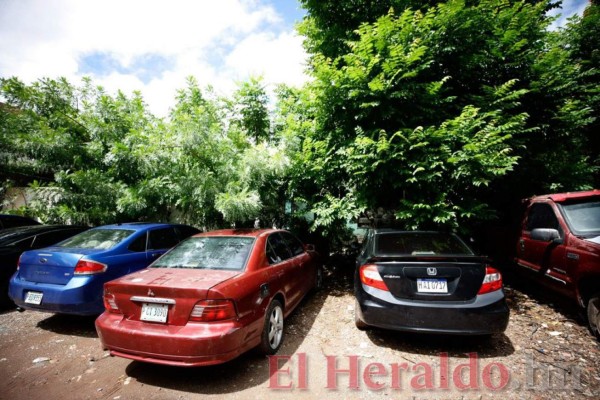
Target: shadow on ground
69	325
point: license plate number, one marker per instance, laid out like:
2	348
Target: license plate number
154	312
34	298
432	286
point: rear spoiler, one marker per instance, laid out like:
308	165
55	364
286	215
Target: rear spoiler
426	258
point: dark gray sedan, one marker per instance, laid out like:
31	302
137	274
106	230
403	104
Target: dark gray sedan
427	282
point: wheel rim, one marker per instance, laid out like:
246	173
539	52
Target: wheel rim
275	327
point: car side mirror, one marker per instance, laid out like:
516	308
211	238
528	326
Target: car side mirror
309	247
546	235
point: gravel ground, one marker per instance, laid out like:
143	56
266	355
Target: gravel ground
546	353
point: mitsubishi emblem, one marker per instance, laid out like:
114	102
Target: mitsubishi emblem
150	293
431	271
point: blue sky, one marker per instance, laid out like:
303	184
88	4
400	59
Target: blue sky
153	45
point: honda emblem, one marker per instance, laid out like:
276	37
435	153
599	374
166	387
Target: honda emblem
431	271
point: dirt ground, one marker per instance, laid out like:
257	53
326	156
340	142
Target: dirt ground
546	353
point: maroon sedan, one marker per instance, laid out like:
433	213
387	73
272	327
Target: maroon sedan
211	298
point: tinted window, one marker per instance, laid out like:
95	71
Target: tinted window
294	244
185	231
216	252
50	238
164	238
277	250
23	243
419	243
101	239
139	244
541	216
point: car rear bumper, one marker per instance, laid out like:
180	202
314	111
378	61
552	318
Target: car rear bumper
191	345
486	314
81	296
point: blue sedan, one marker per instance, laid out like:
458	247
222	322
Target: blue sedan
68	278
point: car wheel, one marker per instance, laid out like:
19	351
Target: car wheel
319	278
272	334
357	321
593	314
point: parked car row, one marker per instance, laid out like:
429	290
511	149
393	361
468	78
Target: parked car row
216	295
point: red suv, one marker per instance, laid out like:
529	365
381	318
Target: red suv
560	242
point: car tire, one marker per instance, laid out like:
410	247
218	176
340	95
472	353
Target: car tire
357	321
272	334
593	314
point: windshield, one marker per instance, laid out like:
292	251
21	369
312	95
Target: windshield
208	252
583	218
420	244
99	239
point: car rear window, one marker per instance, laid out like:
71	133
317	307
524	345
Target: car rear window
420	244
99	239
208	252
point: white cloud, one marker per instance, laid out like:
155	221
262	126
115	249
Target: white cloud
216	41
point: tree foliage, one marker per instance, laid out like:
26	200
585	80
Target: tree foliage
444	112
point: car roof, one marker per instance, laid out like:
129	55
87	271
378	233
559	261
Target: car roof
137	226
392	230
238	232
563	197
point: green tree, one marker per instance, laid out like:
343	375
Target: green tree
422	112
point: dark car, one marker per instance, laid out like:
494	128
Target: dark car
210	299
559	247
427	282
13	221
14	241
68	278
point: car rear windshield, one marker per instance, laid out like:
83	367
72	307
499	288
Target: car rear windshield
208	252
99	239
583	218
420	244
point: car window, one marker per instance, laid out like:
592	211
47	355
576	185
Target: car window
419	243
583	218
49	238
23	243
139	244
100	239
163	238
185	231
277	250
541	216
294	244
208	252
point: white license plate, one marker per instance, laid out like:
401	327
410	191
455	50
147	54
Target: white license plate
154	312
432	286
34	298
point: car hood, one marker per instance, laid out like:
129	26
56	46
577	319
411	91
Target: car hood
595	240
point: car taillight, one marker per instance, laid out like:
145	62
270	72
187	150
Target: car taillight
492	281
110	303
19	262
213	310
86	267
369	275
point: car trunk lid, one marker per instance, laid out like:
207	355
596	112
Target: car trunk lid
432	278
175	289
53	265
